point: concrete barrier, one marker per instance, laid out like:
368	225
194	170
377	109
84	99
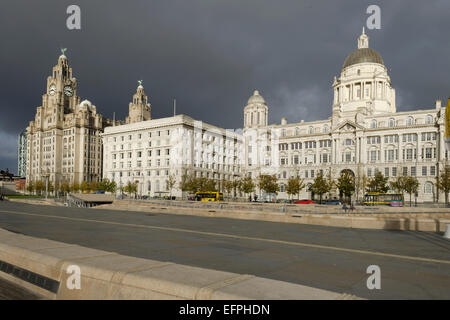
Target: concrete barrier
34	263
410	222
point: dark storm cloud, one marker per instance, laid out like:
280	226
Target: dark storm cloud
211	55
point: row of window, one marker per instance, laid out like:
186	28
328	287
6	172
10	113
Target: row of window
412	171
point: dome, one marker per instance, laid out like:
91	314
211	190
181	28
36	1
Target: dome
363	55
256	98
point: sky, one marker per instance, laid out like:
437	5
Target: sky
210	55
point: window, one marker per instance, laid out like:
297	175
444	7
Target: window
410	121
369	172
428	188
405	171
386	172
432	170
424	171
394	172
429	119
413	171
391	123
373	124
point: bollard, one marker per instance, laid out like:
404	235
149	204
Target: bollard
447	231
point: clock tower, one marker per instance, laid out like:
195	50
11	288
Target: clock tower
64	144
61	97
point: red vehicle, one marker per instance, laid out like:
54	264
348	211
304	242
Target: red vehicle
304	201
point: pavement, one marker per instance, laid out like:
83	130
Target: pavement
11	291
414	265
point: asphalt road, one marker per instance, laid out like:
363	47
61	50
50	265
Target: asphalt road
414	265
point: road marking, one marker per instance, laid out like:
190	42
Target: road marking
300	244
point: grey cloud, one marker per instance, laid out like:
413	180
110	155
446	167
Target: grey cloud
211	55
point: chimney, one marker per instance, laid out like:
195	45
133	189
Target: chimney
283	121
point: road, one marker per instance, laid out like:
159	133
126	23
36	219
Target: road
414	265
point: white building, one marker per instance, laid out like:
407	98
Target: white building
364	134
147	152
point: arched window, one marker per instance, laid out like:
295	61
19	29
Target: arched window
282	188
429	119
311	130
325	129
373	124
410	121
428	188
391	123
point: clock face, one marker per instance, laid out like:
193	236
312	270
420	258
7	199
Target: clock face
68	91
52	90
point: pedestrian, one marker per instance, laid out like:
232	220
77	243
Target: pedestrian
345	207
352	207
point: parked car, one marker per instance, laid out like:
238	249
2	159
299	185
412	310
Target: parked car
304	201
332	202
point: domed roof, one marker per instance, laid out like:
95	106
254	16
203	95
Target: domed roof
363	55
256	98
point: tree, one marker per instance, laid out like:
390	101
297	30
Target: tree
65	187
39	186
106	185
443	182
378	183
294	186
30	186
236	185
131	187
227	186
411	186
346	185
170	183
320	186
185	183
84	187
398	184
246	185
268	183
75	187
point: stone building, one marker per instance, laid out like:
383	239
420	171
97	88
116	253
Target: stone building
364	134
22	154
147	152
63	140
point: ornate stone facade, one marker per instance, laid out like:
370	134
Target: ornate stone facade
63	141
364	134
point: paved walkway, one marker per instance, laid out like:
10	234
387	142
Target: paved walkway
414	265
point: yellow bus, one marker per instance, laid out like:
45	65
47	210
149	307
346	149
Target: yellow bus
208	196
390	199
